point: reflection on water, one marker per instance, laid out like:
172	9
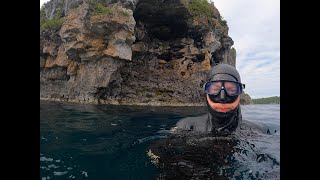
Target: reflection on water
111	142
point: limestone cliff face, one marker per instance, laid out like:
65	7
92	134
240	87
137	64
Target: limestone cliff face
147	52
245	99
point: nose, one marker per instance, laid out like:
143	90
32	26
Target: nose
222	95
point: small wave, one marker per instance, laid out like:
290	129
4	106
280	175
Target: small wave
53	166
45	178
45	168
45	159
57	173
142	140
163	131
84	173
72	177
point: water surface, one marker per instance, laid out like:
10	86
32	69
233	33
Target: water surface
110	142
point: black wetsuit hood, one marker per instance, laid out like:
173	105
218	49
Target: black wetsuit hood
220	121
224	120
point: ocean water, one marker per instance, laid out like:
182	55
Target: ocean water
80	141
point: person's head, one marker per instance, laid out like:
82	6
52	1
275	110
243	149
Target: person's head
223	91
223	88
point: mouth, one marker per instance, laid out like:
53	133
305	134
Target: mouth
222	109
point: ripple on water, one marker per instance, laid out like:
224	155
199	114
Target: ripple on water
56	167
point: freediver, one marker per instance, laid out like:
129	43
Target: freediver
211	146
223	90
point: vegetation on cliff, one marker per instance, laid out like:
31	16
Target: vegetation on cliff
101	9
268	100
222	21
55	22
202	8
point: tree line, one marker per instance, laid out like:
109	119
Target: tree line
268	100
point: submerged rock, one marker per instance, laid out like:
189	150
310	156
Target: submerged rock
188	155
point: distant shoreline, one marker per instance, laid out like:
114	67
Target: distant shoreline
267	100
124	103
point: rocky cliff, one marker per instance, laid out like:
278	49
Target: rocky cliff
143	52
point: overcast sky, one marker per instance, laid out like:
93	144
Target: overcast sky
254	26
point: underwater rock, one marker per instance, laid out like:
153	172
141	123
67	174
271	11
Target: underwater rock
190	155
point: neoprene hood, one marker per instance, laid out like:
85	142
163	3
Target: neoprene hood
224	120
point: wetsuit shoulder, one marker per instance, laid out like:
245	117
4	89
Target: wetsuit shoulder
198	123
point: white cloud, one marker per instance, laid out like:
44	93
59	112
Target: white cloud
255	28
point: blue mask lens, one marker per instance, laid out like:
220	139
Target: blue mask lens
231	88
